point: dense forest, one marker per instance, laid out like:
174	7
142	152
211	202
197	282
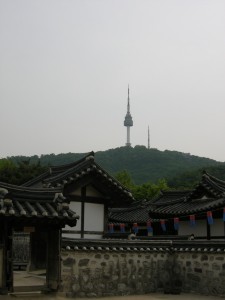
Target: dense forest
20	172
146	165
139	164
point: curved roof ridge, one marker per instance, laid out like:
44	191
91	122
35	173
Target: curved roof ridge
211	184
56	169
36	179
182	199
214	180
133	206
59	168
78	168
188	209
182	193
68	171
29	189
123	186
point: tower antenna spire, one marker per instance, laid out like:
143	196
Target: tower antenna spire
128	122
148	138
128	100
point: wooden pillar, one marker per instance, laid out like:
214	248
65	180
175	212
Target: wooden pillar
83	197
53	268
6	260
105	219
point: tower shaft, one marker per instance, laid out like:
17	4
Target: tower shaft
128	137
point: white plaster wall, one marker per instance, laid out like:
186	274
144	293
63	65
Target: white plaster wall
217	228
94	217
199	229
71	235
93	220
92	236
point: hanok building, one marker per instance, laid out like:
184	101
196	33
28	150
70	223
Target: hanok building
199	212
90	191
39	214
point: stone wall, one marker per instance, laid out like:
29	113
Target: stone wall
102	273
202	273
129	268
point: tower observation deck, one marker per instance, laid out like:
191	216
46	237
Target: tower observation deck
128	122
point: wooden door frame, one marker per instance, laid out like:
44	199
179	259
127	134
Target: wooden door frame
53	256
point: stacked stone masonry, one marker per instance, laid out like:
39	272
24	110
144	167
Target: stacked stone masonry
109	271
202	273
99	271
86	274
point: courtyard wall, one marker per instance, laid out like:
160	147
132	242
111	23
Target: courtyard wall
202	273
97	268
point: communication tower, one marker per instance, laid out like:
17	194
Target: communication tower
128	122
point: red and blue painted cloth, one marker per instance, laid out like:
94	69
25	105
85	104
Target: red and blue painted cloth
122	227
163	225
192	220
209	217
149	226
135	228
176	223
111	228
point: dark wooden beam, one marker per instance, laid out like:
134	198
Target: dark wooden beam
83	197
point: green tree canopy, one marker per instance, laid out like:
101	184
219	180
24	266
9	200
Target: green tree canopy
144	191
149	190
19	173
7	170
125	179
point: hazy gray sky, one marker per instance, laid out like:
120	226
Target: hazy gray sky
65	66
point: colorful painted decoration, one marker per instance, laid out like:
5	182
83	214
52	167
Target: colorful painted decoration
176	223
135	228
163	225
192	220
111	228
209	217
149	226
122	227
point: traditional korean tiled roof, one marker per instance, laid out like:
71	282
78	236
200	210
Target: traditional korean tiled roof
208	195
29	204
138	212
53	171
209	186
61	176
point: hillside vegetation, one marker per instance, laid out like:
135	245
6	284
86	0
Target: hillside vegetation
143	165
151	164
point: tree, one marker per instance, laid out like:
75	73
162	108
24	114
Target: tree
7	170
19	173
125	179
144	191
149	190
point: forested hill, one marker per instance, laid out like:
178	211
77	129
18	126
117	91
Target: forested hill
151	164
142	164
